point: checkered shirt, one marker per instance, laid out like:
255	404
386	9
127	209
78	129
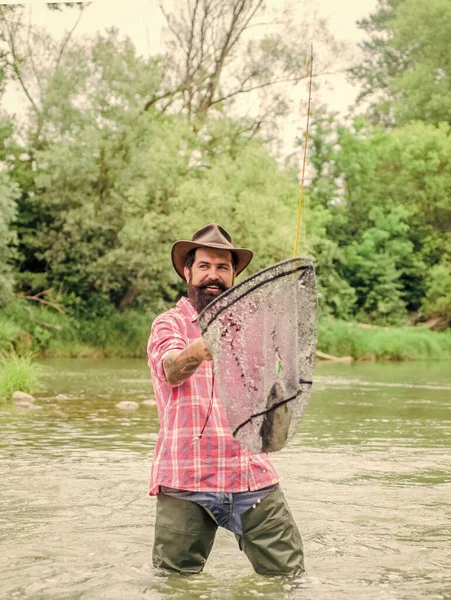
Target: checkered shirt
216	462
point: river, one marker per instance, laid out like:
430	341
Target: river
367	476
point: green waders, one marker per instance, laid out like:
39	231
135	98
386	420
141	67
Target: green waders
184	535
185	532
271	539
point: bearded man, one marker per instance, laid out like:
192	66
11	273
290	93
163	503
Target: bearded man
203	478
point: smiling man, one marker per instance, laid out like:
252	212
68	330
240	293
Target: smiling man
203	478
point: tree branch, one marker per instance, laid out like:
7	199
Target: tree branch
272	82
15	62
68	36
37	298
30	53
174	31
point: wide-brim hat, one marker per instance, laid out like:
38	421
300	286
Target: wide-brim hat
211	236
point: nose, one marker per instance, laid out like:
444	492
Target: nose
213	273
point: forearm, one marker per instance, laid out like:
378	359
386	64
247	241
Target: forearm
179	365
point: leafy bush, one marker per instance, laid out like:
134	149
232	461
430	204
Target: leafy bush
438	297
9	333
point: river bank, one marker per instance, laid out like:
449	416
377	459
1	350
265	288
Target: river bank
44	332
369	343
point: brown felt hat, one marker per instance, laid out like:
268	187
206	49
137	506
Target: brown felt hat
210	236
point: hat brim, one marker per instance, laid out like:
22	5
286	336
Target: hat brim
181	248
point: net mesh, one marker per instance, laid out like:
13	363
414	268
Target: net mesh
262	335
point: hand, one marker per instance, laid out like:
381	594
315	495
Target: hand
201	350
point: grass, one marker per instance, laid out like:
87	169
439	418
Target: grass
41	330
119	335
18	373
339	338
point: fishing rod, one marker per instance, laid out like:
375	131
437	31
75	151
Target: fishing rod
301	194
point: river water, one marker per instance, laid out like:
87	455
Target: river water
368	478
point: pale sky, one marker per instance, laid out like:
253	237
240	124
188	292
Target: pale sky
142	21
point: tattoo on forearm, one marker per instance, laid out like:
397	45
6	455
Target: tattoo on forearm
178	368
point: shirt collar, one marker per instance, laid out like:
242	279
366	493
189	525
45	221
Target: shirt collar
185	307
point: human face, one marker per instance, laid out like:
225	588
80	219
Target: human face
211	274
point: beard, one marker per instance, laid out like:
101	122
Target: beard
200	297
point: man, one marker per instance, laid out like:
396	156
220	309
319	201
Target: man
202	476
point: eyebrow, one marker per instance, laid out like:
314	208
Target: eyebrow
222	264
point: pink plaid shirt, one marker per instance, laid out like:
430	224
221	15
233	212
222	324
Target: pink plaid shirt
216	462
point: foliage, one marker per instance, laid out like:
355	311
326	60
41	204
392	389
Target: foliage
39	329
388	199
9	333
407	61
18	373
9	192
437	301
119	335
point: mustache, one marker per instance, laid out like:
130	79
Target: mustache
218	284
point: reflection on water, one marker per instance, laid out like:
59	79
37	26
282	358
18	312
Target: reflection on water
368	478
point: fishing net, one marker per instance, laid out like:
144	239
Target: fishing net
262	335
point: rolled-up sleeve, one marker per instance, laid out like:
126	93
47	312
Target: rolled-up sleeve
166	336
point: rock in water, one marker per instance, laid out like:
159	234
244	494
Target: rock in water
25	405
127	405
148	403
23	396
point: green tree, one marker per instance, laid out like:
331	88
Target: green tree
374	266
388	199
407	66
9	192
437	302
